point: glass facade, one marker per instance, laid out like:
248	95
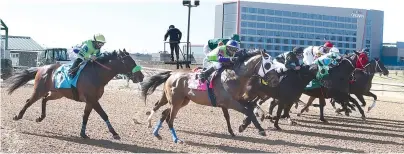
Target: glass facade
279	31
229	19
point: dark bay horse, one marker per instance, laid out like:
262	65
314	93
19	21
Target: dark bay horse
287	92
228	88
90	85
363	81
335	83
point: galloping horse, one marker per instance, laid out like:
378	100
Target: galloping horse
287	92
363	81
90	85
178	93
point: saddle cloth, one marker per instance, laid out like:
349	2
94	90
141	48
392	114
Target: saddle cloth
194	81
61	76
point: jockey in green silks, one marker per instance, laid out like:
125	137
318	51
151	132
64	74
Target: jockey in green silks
219	56
89	49
214	43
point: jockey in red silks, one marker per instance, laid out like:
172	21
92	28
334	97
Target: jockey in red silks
362	59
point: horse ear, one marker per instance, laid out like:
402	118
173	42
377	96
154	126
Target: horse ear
124	50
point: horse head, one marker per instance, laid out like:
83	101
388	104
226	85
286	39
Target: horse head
122	63
376	66
257	63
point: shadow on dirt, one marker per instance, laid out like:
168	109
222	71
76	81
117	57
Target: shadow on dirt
103	143
272	142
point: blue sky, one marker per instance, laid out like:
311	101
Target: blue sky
140	25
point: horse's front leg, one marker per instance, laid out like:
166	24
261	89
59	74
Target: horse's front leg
227	117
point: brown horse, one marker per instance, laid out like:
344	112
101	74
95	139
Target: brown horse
90	85
228	89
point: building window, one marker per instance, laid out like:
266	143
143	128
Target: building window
251	39
301	42
261	11
367	41
252	32
269	40
269	19
261	18
278	13
251	24
261	25
261	32
286	34
310	42
277	47
242	38
285	48
260	39
318	43
354	39
242	45
347	39
332	37
339	38
346	45
269	12
251	46
285	41
243	31
259	46
252	10
244	9
294	42
277	40
354	46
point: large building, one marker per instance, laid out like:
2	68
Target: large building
280	27
393	54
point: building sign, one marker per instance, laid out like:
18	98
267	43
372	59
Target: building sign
357	14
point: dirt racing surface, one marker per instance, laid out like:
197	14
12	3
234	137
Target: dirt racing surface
202	128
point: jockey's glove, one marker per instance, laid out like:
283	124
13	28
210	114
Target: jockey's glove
233	59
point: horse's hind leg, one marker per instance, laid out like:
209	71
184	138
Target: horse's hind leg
97	107
227	117
163	101
306	107
50	96
35	97
359	107
164	116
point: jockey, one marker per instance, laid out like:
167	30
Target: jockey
311	53
214	43
290	60
89	49
362	59
221	55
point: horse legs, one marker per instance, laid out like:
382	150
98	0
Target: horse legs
287	115
164	116
281	105
87	111
163	101
359	107
306	107
235	105
322	104
35	97
227	117
51	96
374	99
332	102
170	120
97	107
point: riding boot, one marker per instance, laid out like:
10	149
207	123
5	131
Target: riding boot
206	73
73	69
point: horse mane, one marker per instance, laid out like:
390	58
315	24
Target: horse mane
107	56
246	55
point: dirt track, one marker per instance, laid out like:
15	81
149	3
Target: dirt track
202	128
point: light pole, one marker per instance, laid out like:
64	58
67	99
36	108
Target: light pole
188	4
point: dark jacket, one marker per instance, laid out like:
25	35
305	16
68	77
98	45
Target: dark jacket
174	33
290	61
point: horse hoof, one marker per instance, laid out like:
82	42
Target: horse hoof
240	129
148	113
272	121
16	118
232	134
149	126
179	141
84	136
38	119
363	118
262	133
277	128
293	123
116	137
136	122
363	105
262	118
307	110
299	114
323	120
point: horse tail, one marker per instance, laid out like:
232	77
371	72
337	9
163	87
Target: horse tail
21	79
150	85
